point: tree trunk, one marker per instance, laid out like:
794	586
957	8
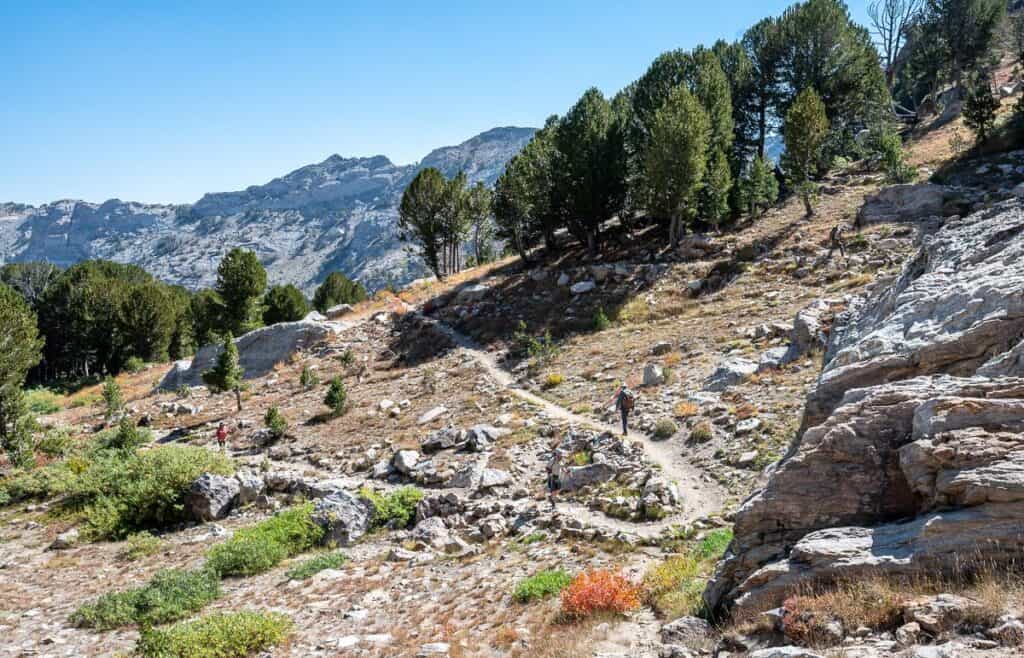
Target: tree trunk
807	204
673	232
762	128
238	398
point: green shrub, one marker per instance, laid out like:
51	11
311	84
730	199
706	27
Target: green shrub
308	379
553	379
664	428
134	365
337	397
275	421
396	509
42	401
713	545
315	565
266	544
56	442
540	349
601	321
347	358
87	400
674	587
581	458
125	437
173	594
541	585
117	494
140	545
221	635
702	432
113	399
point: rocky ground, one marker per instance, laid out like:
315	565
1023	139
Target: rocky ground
915	437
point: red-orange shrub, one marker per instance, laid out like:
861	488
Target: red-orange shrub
599	591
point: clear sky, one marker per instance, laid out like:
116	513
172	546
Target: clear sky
163	101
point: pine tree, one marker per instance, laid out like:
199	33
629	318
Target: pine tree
227	375
760	187
717	186
337	289
980	107
422	217
676	160
113	398
337	397
20	351
284	304
805	131
592	166
241	280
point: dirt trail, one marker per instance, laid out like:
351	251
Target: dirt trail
701	495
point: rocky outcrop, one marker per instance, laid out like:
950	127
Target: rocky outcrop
911	451
902	203
259	351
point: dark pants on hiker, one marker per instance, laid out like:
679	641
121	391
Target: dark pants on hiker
836	244
625	421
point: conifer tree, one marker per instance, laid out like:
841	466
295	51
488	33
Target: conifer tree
805	131
676	160
227	375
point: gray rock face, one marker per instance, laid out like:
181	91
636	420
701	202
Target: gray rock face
912	447
339	214
211	497
344	516
258	351
902	203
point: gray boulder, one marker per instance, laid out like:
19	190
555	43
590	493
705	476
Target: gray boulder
654	375
491	478
259	351
730	372
688	631
211	497
250	486
344	517
405	461
902	203
472	294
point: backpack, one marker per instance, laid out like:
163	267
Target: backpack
627	400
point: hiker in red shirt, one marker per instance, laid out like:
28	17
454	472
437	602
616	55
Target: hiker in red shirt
222	435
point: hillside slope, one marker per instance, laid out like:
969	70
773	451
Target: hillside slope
339	214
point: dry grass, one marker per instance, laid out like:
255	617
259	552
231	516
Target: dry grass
686	409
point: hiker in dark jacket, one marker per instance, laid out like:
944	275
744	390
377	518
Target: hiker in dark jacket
624	400
835	239
553	484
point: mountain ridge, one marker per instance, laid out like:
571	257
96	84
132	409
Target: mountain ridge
337	214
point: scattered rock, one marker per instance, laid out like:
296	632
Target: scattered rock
432	415
65	540
582	287
902	203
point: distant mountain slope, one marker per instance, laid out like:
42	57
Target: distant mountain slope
339	214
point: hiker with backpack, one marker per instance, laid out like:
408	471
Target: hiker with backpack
625	401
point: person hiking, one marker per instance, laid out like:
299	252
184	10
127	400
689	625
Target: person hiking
222	435
624	400
835	239
553	484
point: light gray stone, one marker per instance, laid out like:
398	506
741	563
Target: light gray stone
211	497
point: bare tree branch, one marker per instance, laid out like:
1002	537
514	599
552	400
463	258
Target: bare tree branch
890	20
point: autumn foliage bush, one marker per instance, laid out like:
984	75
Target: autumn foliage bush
599	591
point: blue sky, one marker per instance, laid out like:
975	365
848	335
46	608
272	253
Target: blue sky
161	102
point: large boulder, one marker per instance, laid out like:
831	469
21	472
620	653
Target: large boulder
259	351
911	446
730	372
344	516
211	497
902	203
